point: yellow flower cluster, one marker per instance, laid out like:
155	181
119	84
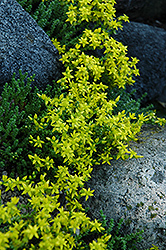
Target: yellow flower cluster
54	233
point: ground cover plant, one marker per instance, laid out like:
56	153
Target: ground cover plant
51	16
82	129
18	101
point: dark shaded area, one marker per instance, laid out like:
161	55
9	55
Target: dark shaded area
148	44
150	12
158	177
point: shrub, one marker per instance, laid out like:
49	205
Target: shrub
51	16
118	240
14	123
18	101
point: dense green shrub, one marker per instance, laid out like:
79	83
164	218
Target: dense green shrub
15	125
19	102
118	240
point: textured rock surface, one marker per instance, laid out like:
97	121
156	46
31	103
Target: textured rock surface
24	45
135	189
148	44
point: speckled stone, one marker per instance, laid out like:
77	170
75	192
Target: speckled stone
24	45
135	189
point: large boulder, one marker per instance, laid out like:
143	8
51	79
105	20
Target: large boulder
24	45
135	189
148	44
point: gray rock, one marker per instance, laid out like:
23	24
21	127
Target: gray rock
24	45
135	189
148	44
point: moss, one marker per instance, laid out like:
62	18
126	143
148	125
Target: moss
151	208
141	204
128	222
152	216
129	207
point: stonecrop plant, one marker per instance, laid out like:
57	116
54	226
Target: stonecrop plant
84	132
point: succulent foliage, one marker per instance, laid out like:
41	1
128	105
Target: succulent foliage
19	101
